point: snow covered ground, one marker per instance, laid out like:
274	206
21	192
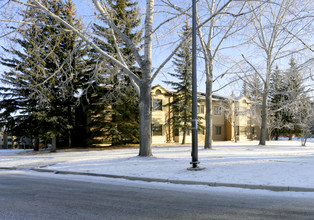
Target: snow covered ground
280	163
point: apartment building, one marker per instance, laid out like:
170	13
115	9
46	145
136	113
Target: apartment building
234	118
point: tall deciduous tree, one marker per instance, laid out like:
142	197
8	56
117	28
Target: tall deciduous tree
272	25
223	23
211	48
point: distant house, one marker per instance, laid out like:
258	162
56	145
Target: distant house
9	142
5	140
233	118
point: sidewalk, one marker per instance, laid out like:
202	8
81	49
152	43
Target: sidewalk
279	166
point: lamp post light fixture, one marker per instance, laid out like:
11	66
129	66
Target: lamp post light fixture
194	153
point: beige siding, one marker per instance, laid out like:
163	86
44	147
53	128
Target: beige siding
228	117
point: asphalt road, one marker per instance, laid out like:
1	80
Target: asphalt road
33	197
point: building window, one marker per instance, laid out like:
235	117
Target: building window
252	130
243	129
200	109
236	111
157	129
157	104
158	92
217	110
176	132
243	111
188	132
218	130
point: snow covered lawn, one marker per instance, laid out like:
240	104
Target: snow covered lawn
280	163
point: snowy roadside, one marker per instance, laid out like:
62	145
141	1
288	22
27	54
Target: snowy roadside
281	163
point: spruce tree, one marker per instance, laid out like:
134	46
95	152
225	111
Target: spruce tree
298	103
245	91
289	104
255	88
276	96
38	82
181	105
122	101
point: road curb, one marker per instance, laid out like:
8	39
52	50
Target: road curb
8	168
185	182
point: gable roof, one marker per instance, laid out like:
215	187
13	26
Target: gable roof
202	95
167	90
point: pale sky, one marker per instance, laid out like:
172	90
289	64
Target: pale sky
163	45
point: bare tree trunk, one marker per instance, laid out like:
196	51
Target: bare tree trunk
31	143
265	97
264	120
303	141
5	140
209	59
185	126
269	138
304	138
290	136
208	115
183	136
145	121
36	147
145	87
70	131
235	128
53	143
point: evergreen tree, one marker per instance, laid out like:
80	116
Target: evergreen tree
289	103
245	91
37	84
255	88
181	119
122	101
298	103
276	96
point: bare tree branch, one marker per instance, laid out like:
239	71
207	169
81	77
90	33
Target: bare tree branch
128	41
294	35
107	56
254	68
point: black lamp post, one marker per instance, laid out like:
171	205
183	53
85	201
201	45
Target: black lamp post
194	93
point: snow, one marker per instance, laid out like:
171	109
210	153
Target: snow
279	163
